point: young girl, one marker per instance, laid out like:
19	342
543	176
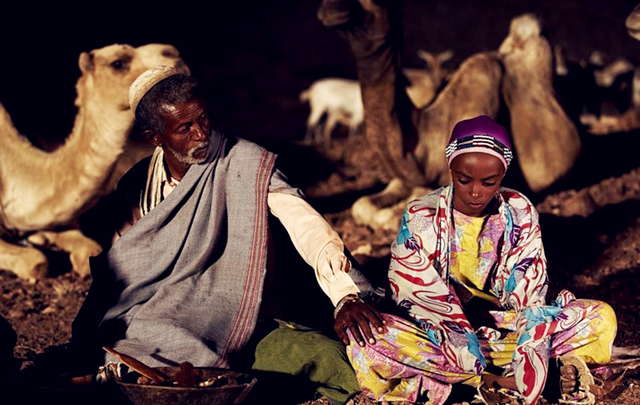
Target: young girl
468	279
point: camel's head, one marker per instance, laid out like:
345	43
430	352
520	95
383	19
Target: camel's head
434	63
343	13
633	23
525	45
523	29
107	73
335	13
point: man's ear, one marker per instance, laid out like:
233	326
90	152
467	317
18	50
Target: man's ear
153	137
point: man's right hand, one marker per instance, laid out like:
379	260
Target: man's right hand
359	318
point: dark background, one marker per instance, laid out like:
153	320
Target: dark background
255	57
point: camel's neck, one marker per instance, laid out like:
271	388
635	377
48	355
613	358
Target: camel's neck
42	190
98	137
375	43
531	68
99	133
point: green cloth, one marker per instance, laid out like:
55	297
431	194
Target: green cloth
305	360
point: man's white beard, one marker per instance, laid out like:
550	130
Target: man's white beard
189	158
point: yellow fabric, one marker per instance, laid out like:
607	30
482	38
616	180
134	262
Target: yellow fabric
411	344
593	340
597	350
407	344
467	259
500	351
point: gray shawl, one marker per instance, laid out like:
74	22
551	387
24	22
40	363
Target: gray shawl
185	282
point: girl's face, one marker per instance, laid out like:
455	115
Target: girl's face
476	179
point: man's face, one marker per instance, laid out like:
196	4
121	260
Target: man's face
476	179
186	132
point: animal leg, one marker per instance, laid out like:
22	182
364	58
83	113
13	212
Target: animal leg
329	125
384	210
584	202
353	128
308	136
312	124
605	124
25	261
79	247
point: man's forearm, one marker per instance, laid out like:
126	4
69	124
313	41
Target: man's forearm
318	244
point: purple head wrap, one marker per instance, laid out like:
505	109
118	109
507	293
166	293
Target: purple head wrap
480	134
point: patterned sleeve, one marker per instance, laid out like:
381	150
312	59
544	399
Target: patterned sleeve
408	252
523	281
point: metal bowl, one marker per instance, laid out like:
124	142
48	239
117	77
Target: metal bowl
233	392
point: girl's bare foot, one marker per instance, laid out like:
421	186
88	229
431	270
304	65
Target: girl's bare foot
575	380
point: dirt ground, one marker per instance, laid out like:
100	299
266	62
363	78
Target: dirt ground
596	257
255	61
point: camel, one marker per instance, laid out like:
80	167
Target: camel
404	137
633	23
479	74
613	190
545	140
42	193
630	119
594	89
607	76
411	142
424	84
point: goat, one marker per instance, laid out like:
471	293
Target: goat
340	100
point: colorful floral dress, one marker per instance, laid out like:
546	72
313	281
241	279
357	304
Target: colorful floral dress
463	308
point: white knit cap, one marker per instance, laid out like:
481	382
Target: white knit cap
146	81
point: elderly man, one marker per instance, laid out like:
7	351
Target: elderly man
184	278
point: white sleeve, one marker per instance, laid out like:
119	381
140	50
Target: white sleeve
318	244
